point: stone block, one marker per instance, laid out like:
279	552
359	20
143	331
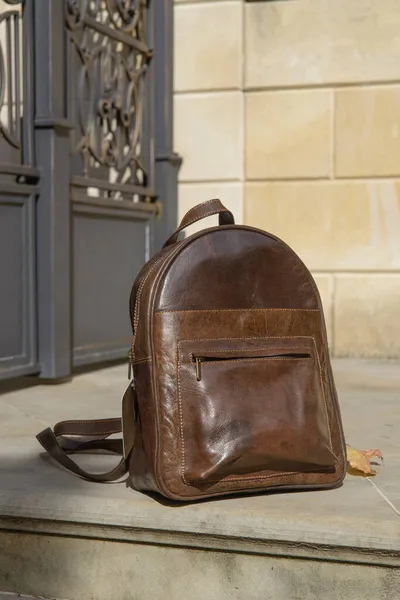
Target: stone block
288	134
366	317
333	225
208	46
367	131
209	136
313	42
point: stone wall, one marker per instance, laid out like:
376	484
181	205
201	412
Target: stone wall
289	111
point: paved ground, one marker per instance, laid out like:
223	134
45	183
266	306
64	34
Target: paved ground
10	596
359	522
361	510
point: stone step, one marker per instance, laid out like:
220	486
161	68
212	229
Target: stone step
61	537
11	596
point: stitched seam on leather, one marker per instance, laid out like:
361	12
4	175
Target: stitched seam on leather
208	214
139	292
282	474
137	361
323	394
272	337
161	312
137	305
198	206
135	325
183	225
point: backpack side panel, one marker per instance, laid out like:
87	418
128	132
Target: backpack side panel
142	459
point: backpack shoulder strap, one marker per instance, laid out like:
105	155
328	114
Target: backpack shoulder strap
93	435
59	446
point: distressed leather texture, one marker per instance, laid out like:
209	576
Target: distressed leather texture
233	379
232	388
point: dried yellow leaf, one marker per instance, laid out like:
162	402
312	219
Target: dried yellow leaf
358	461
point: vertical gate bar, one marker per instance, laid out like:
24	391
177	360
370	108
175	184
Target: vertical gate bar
17	62
28	100
25	109
11	76
167	161
147	101
53	205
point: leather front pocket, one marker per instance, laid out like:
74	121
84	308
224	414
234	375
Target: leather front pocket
249	405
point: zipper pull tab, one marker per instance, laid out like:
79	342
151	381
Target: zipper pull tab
130	367
198	368
131	370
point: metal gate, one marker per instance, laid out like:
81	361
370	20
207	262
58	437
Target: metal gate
85	145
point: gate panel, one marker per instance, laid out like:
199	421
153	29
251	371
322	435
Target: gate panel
18	178
110	93
85	139
110	247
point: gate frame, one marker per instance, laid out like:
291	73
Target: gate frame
51	344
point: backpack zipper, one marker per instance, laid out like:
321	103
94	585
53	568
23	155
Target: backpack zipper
135	321
204	359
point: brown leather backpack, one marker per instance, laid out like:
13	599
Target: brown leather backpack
231	386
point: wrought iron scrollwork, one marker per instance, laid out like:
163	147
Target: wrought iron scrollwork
124	15
111	55
10	75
